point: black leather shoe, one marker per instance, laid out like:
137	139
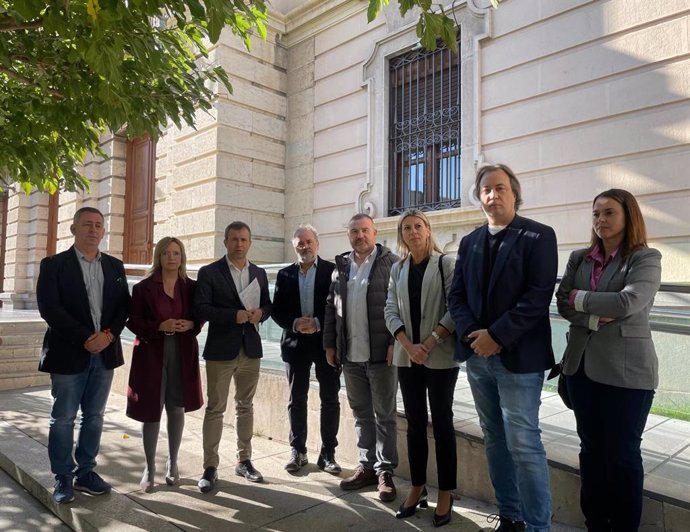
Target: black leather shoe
297	461
327	463
208	479
408	511
246	469
440	520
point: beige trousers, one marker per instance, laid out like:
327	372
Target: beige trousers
219	373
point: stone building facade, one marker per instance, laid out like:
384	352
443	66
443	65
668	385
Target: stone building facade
577	96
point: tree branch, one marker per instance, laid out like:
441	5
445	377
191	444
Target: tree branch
26	81
9	24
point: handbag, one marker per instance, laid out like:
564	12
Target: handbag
562	386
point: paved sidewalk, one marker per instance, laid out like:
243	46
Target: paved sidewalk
310	500
21	512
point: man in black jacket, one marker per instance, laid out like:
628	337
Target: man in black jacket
83	297
299	304
355	336
502	287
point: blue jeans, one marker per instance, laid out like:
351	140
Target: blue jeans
508	408
89	391
371	392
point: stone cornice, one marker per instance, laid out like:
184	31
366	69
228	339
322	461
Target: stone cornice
315	16
444	219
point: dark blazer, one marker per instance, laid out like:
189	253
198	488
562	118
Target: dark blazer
64	305
144	388
286	309
217	301
520	289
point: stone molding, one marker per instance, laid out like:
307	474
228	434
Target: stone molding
474	26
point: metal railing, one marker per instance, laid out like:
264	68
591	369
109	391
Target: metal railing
670	324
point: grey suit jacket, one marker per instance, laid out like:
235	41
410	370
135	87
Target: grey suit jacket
434	310
620	353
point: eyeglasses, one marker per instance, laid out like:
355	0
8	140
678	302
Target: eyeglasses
171	254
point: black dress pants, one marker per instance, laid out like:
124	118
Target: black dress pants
610	422
298	372
415	383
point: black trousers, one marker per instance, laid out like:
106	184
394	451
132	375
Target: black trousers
298	373
610	422
415	383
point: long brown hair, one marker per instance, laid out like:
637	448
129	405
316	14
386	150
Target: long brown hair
635	233
431	244
160	248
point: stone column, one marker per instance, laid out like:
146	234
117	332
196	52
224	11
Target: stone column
299	161
26	241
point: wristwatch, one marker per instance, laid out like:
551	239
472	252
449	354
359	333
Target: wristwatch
437	338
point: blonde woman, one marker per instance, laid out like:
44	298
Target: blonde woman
165	361
417	316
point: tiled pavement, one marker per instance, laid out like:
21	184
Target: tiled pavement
309	500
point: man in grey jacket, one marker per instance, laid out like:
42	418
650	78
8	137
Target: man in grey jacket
355	337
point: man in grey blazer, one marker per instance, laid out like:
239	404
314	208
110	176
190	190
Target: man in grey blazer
233	347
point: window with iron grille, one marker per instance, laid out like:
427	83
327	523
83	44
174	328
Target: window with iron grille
424	134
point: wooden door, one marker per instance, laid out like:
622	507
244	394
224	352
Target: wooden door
53	205
139	196
3	238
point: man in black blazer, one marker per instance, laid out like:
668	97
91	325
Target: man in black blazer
299	304
232	296
503	284
83	297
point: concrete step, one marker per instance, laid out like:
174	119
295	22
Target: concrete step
24	364
8	328
23	379
17	340
19	352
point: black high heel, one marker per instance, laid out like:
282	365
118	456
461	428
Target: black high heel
408	511
440	520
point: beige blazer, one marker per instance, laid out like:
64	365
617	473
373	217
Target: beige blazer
434	310
620	353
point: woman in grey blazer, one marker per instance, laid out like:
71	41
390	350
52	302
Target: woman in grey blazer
610	363
416	315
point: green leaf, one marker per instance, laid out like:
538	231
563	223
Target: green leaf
28	9
196	9
373	9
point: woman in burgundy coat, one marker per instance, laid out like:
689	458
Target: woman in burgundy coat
165	361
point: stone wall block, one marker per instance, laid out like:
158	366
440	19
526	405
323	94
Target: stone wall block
300	104
241	143
200	169
301	129
345	109
340	138
341	164
301	78
257	97
233	194
300	54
